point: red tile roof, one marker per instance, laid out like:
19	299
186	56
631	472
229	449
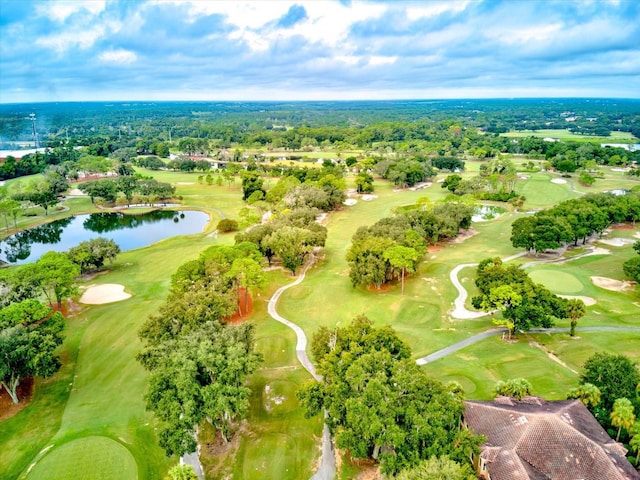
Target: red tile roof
537	439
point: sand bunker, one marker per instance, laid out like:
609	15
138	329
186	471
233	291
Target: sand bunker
350	201
558	181
616	242
611	284
368	198
106	293
588	301
76	192
184	183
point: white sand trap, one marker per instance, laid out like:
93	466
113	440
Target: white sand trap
588	301
616	242
368	198
350	201
597	251
106	293
558	181
611	284
76	192
523	177
636	235
184	183
619	169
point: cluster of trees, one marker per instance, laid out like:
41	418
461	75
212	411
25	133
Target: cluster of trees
289	236
631	267
610	388
405	172
522	303
197	361
574	220
496	181
393	246
134	189
30	332
379	404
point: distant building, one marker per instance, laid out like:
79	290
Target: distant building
536	439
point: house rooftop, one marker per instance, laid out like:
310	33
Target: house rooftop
538	439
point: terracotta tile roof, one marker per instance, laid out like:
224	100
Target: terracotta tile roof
539	440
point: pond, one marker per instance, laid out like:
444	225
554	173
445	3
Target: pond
128	231
482	213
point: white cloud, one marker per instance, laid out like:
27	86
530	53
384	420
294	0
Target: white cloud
432	9
118	56
67	39
376	60
60	11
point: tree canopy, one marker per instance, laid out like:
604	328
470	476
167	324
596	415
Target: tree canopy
379	403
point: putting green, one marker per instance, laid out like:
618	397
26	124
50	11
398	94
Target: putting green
89	458
557	282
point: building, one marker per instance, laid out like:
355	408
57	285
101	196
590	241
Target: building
540	440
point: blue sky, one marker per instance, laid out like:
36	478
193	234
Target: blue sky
317	50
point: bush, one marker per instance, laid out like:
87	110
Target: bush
227	225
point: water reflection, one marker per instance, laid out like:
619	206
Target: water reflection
128	231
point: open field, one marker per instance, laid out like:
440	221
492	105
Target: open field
98	393
566	135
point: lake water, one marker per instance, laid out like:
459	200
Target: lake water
128	231
486	212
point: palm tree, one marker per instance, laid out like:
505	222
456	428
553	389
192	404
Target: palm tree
635	440
622	415
587	393
575	310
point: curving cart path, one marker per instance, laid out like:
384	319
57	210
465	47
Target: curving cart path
327	470
460	312
432	357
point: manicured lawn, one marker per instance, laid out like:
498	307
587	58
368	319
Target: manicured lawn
99	391
566	135
89	458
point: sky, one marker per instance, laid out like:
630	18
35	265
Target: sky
153	50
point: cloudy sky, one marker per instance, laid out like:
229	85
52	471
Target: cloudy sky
54	50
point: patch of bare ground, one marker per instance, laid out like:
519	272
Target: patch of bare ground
464	235
215	451
25	392
434	248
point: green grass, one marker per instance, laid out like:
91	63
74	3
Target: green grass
566	135
89	458
556	281
99	390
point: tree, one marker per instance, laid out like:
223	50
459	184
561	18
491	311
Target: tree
199	376
9	208
182	472
103	188
364	183
29	334
437	468
634	443
575	310
517	388
291	244
380	404
246	273
615	375
403	258
622	415
93	254
587	393
251	183
54	275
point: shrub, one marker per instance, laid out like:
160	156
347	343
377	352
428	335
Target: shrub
227	225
